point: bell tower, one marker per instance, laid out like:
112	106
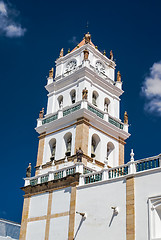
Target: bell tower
80	132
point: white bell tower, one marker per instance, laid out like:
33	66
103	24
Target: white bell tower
80	133
83	109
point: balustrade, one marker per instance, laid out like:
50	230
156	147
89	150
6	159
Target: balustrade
88	175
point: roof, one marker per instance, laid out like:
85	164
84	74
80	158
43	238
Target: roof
9	229
81	44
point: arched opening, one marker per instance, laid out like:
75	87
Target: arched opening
73	96
95	98
68	143
156	219
106	104
60	102
52	144
110	148
95	142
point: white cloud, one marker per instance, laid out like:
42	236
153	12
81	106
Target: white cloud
151	89
8	26
3	9
14	31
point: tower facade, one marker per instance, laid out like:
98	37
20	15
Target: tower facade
81	133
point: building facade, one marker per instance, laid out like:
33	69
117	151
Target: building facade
82	189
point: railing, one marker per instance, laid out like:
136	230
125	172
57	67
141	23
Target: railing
58	175
33	182
94	110
50	119
116	123
147	164
44	178
87	170
72	109
117	172
93	177
76	107
70	171
88	175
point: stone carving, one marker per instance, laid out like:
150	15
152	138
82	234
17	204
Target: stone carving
86	53
51	73
41	114
118	76
87	37
125	118
111	55
79	154
61	52
85	93
28	171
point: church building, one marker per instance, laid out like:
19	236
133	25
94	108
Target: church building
82	188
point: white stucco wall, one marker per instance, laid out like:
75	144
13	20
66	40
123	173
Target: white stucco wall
59	228
38	205
36	230
96	201
61	200
146	186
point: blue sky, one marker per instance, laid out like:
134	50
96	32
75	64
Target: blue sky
31	36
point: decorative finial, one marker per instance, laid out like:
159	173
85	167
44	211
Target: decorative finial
85	94
87	37
41	114
132	155
77	46
96	47
28	170
61	52
111	55
51	73
104	52
118	76
86	53
68	50
125	118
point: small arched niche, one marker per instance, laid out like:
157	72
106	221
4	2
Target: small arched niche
73	96
95	142
68	143
60	102
110	151
52	145
106	104
95	98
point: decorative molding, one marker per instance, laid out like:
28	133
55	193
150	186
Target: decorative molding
52	185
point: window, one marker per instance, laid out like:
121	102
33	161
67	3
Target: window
95	146
52	144
106	105
110	152
94	98
68	143
73	96
155	218
60	102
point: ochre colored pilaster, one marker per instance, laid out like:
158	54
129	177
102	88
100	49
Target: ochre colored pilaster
48	217
130	209
40	151
82	134
72	213
121	152
24	218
